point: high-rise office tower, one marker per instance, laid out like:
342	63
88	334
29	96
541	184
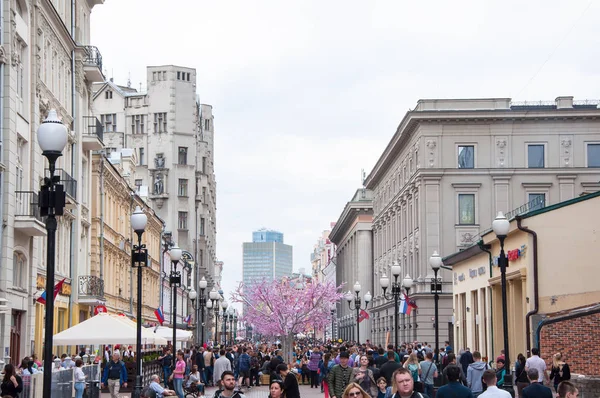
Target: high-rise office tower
266	257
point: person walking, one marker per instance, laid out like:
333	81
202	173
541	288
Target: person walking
387	369
227	382
79	377
12	384
179	373
492	391
167	362
209	359
414	367
313	367
243	363
114	376
537	363
466	358
566	389
475	374
403	385
522	380
536	389
363	376
290	383
339	377
428	373
452	361
454	388
560	370
222	364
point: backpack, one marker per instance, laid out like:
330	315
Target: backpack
414	371
420	355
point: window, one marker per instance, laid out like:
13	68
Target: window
466	209
204	164
593	155
535	156
138	184
536	201
137	124
182	159
202	226
183	187
206	124
204	194
160	122
178	75
466	156
19	270
108	94
188	77
182	220
110	150
109	122
142	156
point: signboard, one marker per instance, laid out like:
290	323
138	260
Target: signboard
100	308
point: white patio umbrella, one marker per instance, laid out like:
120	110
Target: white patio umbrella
105	329
167	333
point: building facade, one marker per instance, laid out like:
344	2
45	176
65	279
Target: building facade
112	280
353	239
173	137
549	250
266	257
46	62
323	252
452	165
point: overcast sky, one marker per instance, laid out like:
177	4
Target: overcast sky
308	93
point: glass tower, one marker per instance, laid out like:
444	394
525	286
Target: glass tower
266	257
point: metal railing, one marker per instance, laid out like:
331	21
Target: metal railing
62	383
27	204
69	183
90	285
94	127
92	56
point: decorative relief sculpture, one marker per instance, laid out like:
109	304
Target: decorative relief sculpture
565	143
158	184
159	161
431	144
501	144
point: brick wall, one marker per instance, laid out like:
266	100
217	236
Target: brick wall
577	339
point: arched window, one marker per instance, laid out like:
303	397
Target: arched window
19	270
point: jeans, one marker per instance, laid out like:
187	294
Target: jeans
79	387
208	371
166	373
178	385
314	379
428	389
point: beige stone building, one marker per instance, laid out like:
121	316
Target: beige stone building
112	240
46	62
323	252
552	272
353	237
451	166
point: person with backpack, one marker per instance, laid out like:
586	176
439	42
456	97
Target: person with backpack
244	368
475	374
414	367
227	389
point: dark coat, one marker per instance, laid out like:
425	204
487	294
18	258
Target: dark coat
537	390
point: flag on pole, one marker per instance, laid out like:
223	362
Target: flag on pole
403	306
57	287
362	316
159	315
188	319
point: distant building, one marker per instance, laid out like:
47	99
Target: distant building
266	257
323	252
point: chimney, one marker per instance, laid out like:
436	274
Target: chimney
564	102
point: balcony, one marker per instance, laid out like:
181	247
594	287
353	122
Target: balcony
93	134
69	183
92	64
27	214
90	289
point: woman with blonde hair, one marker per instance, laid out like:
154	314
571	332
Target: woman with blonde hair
560	370
355	391
414	367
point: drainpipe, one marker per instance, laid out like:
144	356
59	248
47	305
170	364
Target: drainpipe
2	155
486	248
101	215
131	268
536	305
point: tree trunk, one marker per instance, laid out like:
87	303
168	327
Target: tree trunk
287	348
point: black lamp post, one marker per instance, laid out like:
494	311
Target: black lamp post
224	305
357	305
202	284
407	283
175	281
52	138
332	322
501	226
139	256
214	304
384	281
234	326
436	288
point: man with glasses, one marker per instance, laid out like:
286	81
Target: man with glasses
403	384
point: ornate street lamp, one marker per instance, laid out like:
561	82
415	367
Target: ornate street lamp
139	256
52	138
175	281
202	284
357	305
501	226
436	287
214	304
384	281
224	305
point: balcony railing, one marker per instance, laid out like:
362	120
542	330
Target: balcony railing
94	127
67	181
27	204
90	285
92	56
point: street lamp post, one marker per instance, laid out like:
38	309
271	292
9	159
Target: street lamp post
214	304
175	281
357	305
332	322
139	256
201	305
235	326
501	226
224	305
384	281
52	138
407	283
436	262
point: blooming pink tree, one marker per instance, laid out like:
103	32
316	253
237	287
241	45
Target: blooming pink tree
287	307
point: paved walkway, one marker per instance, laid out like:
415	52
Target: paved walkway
254	392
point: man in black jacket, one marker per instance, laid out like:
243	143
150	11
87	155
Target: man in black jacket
388	368
290	383
535	389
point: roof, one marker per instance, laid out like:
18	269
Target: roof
361	201
124	91
475	249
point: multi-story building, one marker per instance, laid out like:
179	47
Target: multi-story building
173	137
46	63
353	238
266	257
322	254
451	166
112	279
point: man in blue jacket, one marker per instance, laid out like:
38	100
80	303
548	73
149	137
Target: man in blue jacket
114	376
454	389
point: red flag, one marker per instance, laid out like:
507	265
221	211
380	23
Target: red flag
363	315
57	287
411	304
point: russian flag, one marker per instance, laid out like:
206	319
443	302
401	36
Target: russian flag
403	307
57	287
159	315
188	319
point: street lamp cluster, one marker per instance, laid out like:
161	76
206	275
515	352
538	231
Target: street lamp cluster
202	284
357	305
396	293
